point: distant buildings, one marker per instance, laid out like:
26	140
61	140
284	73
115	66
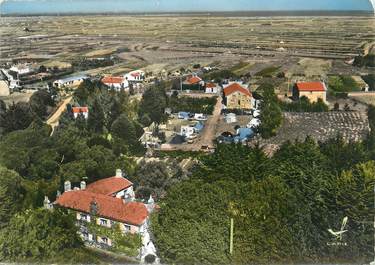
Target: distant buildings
311	90
237	97
72	81
24	69
108	203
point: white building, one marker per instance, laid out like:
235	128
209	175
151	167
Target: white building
212	88
116	82
108	203
80	111
135	76
70	81
24	69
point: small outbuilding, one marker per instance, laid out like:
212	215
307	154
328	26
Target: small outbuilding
230	118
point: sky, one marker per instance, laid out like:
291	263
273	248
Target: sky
102	6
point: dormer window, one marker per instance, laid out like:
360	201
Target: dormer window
103	222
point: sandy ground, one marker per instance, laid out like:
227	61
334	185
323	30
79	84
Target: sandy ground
53	120
17	97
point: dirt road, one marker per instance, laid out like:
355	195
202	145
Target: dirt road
53	121
207	136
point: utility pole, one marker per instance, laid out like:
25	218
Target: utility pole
231	236
374	228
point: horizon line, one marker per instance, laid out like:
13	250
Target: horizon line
303	11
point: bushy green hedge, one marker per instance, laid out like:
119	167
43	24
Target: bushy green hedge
194	105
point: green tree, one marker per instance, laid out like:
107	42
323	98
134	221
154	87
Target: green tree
96	120
39	103
153	103
17	117
38	235
271	116
11	195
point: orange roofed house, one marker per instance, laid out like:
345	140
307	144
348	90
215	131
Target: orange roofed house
77	111
108	203
237	97
311	90
116	82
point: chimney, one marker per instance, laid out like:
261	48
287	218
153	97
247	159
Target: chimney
118	173
46	203
83	185
67	186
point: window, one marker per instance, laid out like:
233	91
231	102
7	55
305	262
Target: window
103	222
127	228
105	240
84	217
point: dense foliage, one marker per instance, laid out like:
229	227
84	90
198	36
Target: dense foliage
282	206
193	105
304	105
19	116
367	60
342	83
41	235
153	104
271	115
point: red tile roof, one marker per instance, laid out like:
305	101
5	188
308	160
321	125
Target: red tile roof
210	85
112	80
193	80
116	209
311	86
80	109
235	87
109	186
135	74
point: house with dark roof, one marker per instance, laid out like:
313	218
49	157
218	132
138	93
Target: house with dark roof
237	97
311	90
108	203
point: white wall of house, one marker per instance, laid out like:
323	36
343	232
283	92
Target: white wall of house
135	76
85	114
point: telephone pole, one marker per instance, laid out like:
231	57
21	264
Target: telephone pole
231	236
373	263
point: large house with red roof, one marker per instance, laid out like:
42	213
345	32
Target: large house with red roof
311	90
116	82
108	203
237	97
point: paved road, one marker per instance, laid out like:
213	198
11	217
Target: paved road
207	136
53	121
